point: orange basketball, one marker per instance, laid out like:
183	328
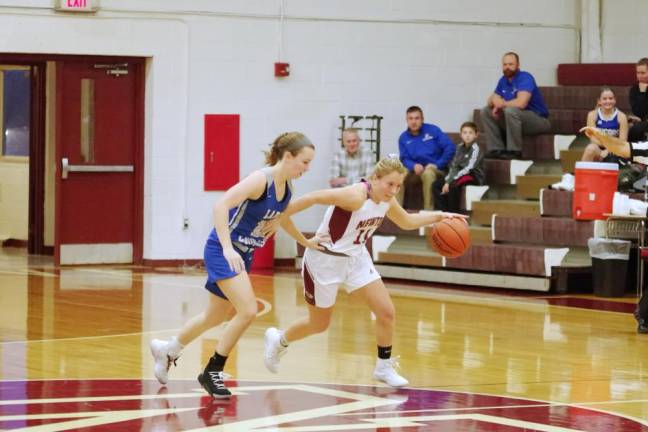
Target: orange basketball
450	237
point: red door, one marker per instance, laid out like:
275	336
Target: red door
99	178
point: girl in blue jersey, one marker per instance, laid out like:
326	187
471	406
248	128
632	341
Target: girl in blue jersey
609	120
245	216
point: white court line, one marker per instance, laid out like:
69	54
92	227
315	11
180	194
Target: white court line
309	386
500	407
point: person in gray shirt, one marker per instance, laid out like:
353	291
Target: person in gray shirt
351	163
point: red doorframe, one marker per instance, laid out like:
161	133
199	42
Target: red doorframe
37	147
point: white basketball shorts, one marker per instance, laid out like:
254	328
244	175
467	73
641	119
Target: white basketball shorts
323	273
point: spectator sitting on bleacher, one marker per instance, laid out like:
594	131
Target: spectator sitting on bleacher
465	169
425	151
351	163
608	119
515	108
639	103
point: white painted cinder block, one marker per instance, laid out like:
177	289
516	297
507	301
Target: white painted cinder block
341	62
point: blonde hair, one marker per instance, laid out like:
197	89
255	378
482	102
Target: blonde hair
292	142
388	165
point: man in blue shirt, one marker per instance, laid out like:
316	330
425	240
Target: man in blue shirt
425	151
516	108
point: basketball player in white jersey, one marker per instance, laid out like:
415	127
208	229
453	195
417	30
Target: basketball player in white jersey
354	214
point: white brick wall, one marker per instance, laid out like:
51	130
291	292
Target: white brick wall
624	31
351	57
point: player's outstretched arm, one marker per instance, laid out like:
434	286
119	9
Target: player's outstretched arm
612	144
410	221
349	198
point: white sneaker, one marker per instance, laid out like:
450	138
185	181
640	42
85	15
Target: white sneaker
566	184
163	359
385	371
273	350
638	207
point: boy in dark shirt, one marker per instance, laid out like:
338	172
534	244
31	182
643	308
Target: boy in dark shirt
466	168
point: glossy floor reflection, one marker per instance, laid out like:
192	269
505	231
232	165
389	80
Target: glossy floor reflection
559	365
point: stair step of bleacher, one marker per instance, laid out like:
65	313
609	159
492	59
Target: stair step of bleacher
409	258
559	203
568	121
538	147
563	121
556	203
410	250
596	74
528	186
526	259
581	97
568	159
505	172
483	211
543	230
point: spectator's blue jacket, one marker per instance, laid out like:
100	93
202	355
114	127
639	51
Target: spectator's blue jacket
430	146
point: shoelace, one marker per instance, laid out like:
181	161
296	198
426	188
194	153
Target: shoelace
393	362
169	361
280	350
217	379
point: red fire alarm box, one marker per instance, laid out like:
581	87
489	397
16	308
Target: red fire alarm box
282	69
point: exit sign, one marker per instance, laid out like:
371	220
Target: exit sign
77	5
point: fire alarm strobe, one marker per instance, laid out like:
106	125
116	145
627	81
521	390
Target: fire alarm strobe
282	69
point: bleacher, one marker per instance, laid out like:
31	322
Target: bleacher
523	235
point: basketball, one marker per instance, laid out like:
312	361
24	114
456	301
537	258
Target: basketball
450	237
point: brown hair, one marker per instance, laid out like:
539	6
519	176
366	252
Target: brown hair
643	62
414	108
468	124
605	88
292	142
388	165
514	54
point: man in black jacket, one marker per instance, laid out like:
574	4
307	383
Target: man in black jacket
639	104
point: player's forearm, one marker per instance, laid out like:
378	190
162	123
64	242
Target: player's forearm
289	226
220	215
421	219
299	204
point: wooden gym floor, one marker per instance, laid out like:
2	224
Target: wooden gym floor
74	356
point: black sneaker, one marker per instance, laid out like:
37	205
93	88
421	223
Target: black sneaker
514	155
214	383
642	328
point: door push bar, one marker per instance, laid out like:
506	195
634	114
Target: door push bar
66	168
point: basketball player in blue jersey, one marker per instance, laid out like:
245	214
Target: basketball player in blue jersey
245	216
609	120
354	213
